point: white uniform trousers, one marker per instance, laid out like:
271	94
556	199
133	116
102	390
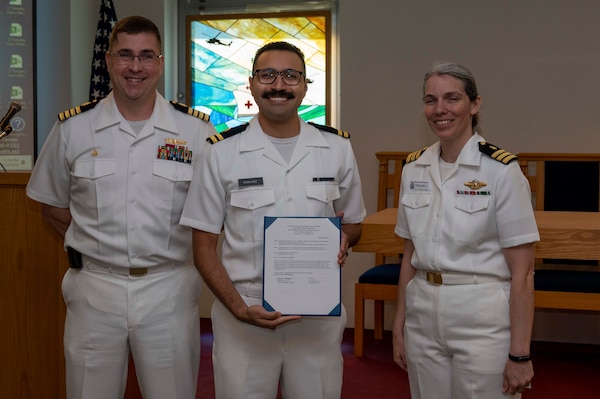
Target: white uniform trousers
303	356
457	339
155	316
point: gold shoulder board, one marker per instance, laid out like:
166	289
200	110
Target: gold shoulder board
215	138
330	129
186	109
496	153
63	116
413	156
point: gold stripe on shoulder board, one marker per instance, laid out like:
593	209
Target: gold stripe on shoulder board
413	156
496	153
186	109
329	129
76	110
503	156
215	138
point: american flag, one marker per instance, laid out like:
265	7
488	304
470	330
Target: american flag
100	82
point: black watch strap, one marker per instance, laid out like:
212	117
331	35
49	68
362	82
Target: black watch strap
519	359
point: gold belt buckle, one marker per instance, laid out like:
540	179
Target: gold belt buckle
138	271
435	278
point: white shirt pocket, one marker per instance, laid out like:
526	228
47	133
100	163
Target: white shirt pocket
93	182
472	204
173	171
171	184
320	198
418	211
324	192
249	207
416	200
471	222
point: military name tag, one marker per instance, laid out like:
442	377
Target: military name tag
323	178
251	181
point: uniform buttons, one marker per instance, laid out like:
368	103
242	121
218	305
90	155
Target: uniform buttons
251	204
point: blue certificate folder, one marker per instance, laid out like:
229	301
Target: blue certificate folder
297	278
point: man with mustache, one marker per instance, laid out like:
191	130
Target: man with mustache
277	165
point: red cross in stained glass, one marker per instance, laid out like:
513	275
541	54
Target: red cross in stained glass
248	104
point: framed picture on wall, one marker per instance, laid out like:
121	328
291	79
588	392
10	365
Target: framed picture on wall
220	51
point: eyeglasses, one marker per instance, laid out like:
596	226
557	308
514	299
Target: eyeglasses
127	57
267	76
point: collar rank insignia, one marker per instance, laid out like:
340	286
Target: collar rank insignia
475	184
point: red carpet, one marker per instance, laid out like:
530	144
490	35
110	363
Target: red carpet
562	371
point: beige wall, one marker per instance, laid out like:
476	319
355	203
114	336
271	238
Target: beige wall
536	64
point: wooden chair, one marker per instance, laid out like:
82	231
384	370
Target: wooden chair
565	182
380	283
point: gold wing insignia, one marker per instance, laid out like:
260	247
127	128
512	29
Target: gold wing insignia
475	184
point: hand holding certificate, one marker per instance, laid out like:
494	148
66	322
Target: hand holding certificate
301	275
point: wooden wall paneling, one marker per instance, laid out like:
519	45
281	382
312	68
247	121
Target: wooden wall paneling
32	263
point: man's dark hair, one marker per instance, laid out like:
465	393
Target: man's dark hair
132	25
281	46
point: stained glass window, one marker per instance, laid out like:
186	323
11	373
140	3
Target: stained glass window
220	55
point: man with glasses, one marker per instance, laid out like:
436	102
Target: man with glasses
112	179
277	165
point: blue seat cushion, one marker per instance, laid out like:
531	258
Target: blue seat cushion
567	281
382	274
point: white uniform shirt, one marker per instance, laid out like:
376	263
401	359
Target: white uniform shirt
125	202
455	228
244	178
